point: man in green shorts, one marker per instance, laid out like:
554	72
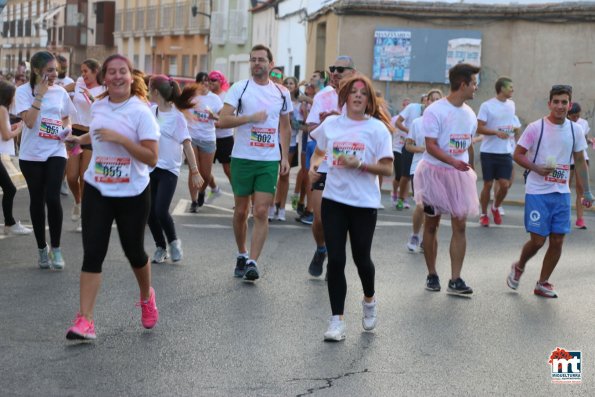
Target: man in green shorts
259	110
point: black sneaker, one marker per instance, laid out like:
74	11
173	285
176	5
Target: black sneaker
240	267
251	273
201	199
433	282
194	207
315	268
300	210
458	287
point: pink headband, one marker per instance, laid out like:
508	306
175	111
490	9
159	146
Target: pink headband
217	75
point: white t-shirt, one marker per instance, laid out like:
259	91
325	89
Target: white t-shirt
368	140
44	139
326	100
556	144
259	141
453	127
113	170
499	116
410	113
585	126
398	136
416	135
64	82
7	147
223	132
82	103
296	116
173	128
202	127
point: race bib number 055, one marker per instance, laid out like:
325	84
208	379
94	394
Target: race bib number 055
112	169
263	137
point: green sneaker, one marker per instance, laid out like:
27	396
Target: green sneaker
294	201
400	205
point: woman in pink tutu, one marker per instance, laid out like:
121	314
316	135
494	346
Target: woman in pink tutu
444	178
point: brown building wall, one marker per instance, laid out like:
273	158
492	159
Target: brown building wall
534	55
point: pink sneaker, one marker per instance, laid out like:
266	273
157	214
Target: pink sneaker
82	329
150	314
545	289
580	223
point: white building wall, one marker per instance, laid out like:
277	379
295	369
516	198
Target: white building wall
291	41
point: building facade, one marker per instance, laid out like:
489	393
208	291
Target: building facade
76	29
164	36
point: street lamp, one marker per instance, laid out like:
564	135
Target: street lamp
196	12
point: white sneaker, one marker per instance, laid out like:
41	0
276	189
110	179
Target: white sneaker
272	211
160	255
64	188
79	227
336	329
175	249
381	206
501	210
213	194
370	315
17	229
56	259
44	259
413	243
281	215
76	212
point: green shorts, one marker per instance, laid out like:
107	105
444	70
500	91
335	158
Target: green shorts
249	176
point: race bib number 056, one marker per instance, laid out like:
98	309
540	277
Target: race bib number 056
49	129
112	169
559	175
263	137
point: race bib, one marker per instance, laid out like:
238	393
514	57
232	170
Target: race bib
341	149
112	169
509	129
263	137
459	143
559	175
201	117
50	129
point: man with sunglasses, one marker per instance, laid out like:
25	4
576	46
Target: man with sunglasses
325	103
545	149
276	75
259	109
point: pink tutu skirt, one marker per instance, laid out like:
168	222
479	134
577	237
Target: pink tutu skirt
448	190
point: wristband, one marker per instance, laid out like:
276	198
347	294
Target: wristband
38	99
35	107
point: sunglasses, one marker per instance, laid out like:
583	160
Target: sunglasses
339	69
277	75
562	87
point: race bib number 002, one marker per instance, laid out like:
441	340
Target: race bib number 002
559	175
263	137
459	143
112	169
49	129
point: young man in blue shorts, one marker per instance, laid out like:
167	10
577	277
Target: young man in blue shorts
545	150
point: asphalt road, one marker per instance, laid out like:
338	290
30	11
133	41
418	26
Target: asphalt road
219	336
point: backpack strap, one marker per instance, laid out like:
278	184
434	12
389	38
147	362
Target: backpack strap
537	150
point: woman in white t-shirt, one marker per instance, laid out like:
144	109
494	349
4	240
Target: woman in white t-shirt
125	140
87	87
7	135
201	125
169	104
416	144
46	110
358	148
574	114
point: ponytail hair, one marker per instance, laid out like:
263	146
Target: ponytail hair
169	89
38	62
374	107
95	67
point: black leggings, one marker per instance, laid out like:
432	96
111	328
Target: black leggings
98	214
44	179
163	187
8	193
337	220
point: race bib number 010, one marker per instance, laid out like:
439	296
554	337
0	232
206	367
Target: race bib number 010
559	175
112	169
263	137
345	149
459	143
49	129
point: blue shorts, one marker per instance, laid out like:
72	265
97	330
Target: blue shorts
309	152
205	146
547	213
